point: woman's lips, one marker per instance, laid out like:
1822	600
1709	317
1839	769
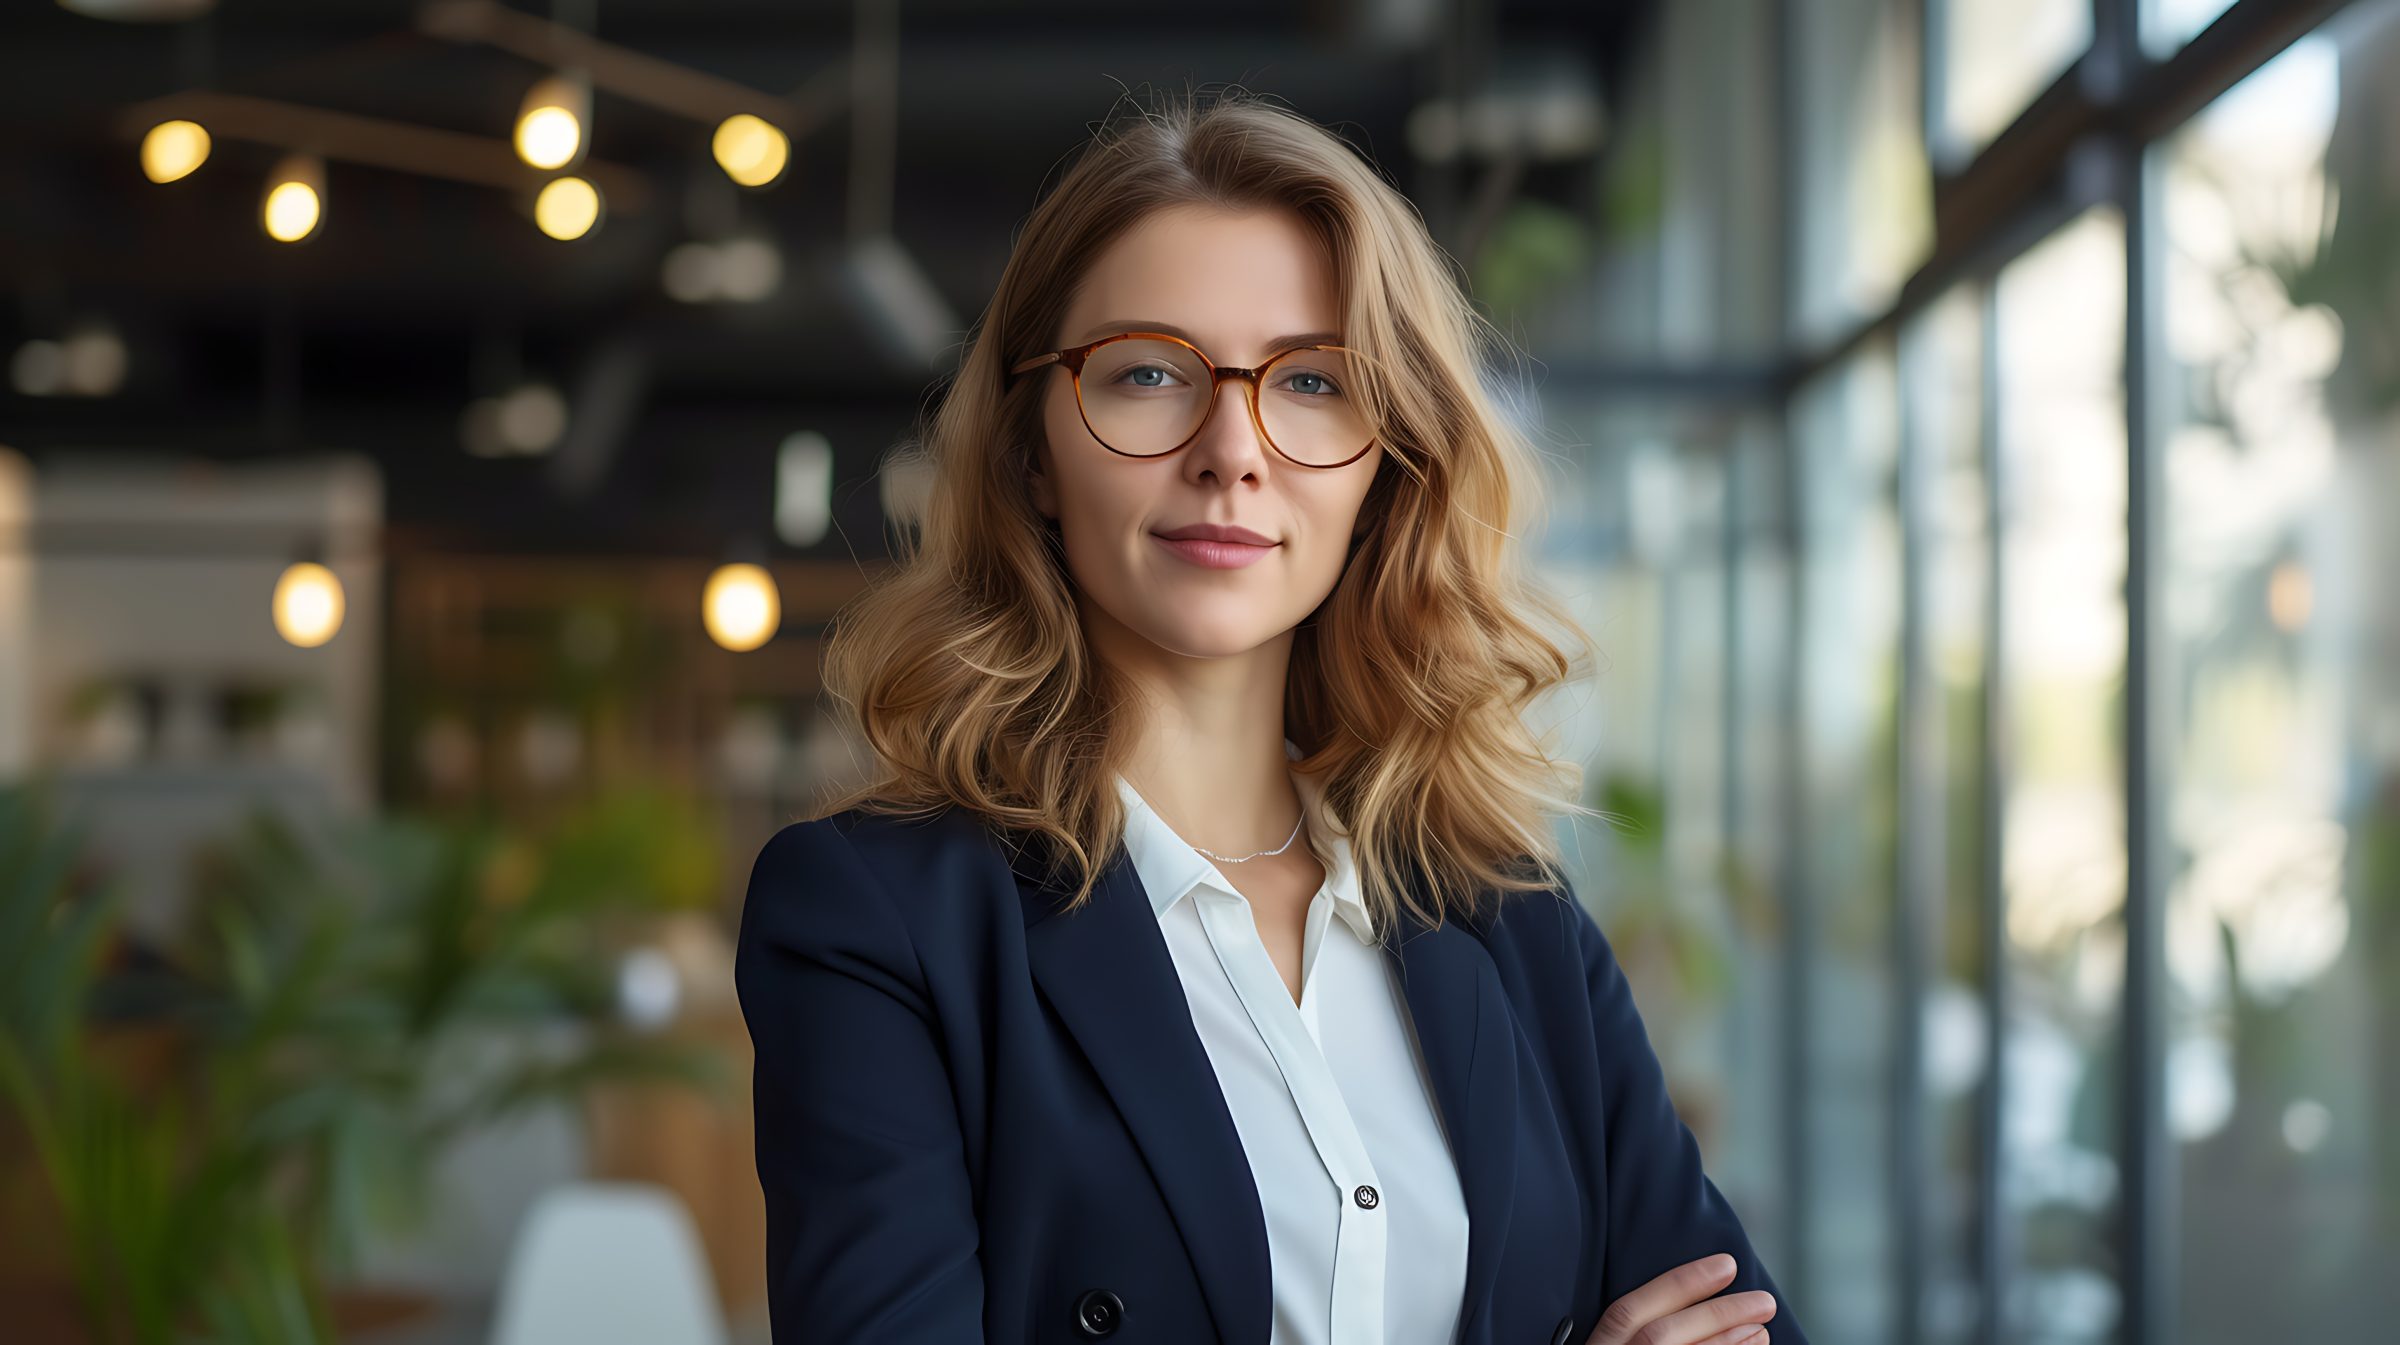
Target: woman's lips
1214	555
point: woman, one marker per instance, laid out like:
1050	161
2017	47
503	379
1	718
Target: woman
1219	554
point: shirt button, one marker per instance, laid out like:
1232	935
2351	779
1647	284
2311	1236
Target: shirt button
1566	1328
1366	1197
1098	1312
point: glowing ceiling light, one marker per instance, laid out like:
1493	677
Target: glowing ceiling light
173	149
292	211
550	123
294	204
308	604
567	208
740	607
751	150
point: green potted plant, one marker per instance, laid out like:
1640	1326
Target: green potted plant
323	1018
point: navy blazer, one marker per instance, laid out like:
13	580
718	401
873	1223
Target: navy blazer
979	1119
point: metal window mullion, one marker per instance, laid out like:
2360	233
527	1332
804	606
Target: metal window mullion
1732	817
2116	57
1992	1230
2145	1223
1917	852
1918	846
1798	881
1933	79
1790	886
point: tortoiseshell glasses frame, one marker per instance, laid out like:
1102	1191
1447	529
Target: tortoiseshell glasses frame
1073	358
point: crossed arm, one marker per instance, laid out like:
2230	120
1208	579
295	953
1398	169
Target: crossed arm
1664	1212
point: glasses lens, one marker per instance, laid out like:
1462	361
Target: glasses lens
1305	400
1145	397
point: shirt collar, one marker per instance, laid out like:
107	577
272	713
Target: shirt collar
1169	867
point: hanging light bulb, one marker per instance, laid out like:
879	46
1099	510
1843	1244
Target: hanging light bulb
567	208
308	604
740	607
173	149
550	122
295	201
751	150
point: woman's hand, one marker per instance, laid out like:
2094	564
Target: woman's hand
1675	1309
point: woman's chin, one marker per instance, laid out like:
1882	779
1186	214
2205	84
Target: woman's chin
1230	638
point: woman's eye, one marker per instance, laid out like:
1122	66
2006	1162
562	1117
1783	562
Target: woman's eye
1139	376
1313	384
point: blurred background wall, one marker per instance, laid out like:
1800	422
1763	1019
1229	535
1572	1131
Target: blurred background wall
435	436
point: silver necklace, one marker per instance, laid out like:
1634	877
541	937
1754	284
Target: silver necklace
1287	844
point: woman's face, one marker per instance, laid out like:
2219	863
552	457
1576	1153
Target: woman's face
1235	285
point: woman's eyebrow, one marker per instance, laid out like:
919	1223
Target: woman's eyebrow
1146	325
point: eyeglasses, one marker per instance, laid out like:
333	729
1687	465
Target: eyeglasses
1147	394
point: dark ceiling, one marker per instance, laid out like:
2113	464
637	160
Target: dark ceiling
419	293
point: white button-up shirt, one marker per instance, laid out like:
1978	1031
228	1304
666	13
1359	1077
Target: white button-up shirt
1366	1225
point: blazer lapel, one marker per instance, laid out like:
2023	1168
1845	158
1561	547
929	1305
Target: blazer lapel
1107	971
1463	1026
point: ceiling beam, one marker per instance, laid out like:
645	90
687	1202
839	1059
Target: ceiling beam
655	81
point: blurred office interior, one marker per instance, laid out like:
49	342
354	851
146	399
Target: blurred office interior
435	437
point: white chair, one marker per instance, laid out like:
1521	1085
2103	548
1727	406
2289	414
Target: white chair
608	1263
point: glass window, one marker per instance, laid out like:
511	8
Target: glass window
1943	356
2061	419
1760	846
1686	209
1863	195
1679	874
1847	425
1762	634
2168	24
1996	57
2280	424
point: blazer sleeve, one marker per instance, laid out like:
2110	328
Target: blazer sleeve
872	1233
1663	1209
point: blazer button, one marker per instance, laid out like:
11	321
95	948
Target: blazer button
1566	1329
1098	1312
1366	1197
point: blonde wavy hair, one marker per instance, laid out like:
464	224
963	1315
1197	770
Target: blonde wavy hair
966	669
